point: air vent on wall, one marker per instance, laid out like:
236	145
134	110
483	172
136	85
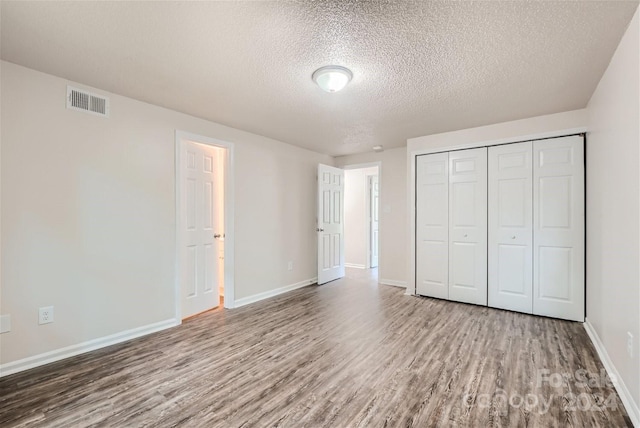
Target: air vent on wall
78	99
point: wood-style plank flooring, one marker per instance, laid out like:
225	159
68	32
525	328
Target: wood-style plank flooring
350	353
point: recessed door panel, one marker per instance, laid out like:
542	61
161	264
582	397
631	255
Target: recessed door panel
554	208
190	208
326	206
326	251
512	206
515	264
510	267
432	231
463	256
209	268
191	270
464	204
554	266
432	197
336	251
468	226
433	280
558	274
208	210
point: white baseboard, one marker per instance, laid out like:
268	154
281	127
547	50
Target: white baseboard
393	282
80	348
275	292
354	266
623	391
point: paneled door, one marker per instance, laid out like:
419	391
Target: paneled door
197	222
558	219
468	226
373	215
432	225
330	228
511	227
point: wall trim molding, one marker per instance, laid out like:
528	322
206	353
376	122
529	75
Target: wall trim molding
83	347
355	266
275	292
621	388
393	282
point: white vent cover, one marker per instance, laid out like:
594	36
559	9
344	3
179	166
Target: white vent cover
77	99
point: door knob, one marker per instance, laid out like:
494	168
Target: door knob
513	237
218	235
319	230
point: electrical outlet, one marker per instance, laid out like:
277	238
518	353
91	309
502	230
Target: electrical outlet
290	266
45	315
5	323
630	344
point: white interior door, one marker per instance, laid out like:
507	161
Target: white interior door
330	223
511	227
468	226
558	239
199	253
432	230
373	215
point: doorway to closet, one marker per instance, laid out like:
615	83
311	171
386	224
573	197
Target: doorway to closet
503	226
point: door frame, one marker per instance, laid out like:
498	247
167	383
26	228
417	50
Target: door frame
229	198
411	183
368	202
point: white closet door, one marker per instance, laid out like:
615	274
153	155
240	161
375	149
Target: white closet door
511	227
558	262
468	226
432	230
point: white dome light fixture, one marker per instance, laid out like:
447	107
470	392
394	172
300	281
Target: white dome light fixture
332	78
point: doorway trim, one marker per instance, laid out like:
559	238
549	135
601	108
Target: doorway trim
377	164
370	215
229	199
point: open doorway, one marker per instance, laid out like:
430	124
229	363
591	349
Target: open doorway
361	196
204	224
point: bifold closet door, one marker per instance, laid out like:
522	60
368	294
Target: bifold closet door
432	227
558	218
468	226
511	227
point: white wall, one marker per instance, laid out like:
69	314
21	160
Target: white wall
613	209
392	212
88	213
356	216
505	132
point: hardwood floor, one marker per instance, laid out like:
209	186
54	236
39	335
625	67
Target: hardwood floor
350	353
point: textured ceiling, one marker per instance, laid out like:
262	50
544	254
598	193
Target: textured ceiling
419	67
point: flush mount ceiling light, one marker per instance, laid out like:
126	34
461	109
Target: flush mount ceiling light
332	78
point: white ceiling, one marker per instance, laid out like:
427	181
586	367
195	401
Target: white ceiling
419	67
